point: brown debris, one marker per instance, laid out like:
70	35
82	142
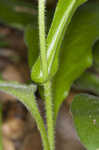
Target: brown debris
8	144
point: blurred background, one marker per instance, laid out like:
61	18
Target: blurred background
18	124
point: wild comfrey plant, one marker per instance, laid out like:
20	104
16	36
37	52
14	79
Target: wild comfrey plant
57	60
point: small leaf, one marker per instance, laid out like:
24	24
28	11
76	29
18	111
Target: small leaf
76	50
63	14
32	41
85	109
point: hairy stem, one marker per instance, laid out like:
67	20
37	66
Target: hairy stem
49	114
1	144
42	37
40	123
47	85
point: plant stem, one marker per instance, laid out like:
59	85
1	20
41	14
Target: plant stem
1	145
49	114
42	38
33	108
47	85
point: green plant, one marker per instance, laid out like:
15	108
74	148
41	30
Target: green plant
65	53
85	109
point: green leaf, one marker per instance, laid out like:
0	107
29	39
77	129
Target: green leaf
63	14
85	109
88	82
32	41
10	15
76	50
26	95
22	92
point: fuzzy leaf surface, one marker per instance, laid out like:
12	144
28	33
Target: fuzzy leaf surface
76	50
23	93
26	95
62	17
85	109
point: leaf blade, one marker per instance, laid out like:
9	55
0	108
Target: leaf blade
85	109
55	36
76	56
26	95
